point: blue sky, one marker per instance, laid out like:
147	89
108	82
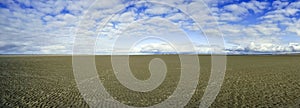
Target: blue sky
248	26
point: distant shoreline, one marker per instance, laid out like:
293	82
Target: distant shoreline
38	55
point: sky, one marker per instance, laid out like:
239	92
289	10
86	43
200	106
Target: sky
150	27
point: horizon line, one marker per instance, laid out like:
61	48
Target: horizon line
140	54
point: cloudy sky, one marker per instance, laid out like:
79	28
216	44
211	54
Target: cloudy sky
141	27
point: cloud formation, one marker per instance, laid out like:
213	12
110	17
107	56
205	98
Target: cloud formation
49	27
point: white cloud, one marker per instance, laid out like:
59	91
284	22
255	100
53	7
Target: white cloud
54	48
159	10
178	16
156	48
126	17
279	4
255	6
166	48
236	10
295	46
107	4
229	17
258	47
294	27
295	4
